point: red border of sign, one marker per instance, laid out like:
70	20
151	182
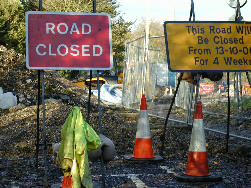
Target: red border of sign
67	68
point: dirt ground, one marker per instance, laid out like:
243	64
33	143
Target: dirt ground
18	135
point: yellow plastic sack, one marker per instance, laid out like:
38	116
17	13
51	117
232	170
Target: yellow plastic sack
78	137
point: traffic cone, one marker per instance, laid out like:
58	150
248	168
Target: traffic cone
67	182
143	143
171	90
197	165
197	157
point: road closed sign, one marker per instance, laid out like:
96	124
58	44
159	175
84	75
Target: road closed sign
68	41
208	46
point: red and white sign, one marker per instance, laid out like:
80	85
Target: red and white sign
206	89
246	90
68	41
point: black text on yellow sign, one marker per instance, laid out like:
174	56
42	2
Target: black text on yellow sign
208	46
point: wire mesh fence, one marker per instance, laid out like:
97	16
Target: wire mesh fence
146	71
141	73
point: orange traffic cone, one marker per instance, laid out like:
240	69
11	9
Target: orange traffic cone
171	90
67	182
197	165
143	143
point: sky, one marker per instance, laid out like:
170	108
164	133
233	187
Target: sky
179	10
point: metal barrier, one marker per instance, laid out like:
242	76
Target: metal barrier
145	71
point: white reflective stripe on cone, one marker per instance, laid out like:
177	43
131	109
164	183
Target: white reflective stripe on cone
143	125
198	143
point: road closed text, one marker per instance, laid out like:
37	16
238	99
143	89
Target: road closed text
73	49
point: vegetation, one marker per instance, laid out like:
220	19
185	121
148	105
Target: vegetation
12	21
12	25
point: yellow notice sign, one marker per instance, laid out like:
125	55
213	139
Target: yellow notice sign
208	46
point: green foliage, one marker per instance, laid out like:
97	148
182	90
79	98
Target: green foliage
246	103
120	32
12	25
68	74
12	21
49	89
65	74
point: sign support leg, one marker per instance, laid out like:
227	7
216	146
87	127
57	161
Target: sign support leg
89	98
228	112
189	105
162	138
99	113
249	80
38	103
44	132
100	128
236	96
241	95
196	93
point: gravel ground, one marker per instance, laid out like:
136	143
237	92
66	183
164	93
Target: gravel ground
18	138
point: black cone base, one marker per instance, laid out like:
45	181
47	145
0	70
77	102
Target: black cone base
185	178
130	158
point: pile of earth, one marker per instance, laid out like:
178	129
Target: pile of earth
19	125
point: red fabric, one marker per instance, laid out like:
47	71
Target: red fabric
67	182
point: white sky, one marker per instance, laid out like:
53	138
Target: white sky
168	10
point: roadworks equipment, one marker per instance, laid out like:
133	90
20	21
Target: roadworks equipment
171	90
197	165
143	149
